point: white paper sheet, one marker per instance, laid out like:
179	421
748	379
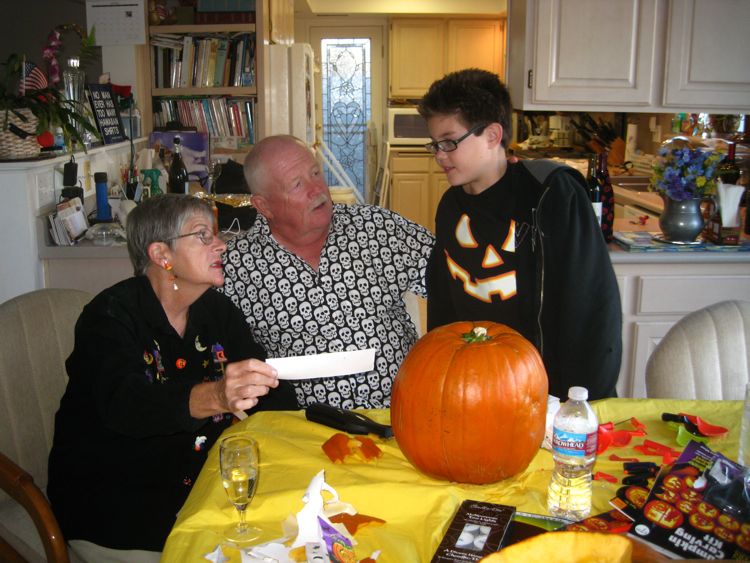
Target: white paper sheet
329	364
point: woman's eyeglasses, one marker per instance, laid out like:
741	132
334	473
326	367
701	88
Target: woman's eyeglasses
449	145
204	235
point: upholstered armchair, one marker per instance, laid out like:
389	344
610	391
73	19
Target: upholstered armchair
37	331
705	355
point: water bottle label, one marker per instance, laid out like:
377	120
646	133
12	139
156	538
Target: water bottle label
573	443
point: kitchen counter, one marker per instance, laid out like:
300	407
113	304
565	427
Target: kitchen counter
649	201
620	255
659	288
83	266
30	190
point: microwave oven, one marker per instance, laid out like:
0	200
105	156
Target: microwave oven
406	127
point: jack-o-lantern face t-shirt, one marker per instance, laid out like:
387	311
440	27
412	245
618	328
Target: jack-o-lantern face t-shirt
484	251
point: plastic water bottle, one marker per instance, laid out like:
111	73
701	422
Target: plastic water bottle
574	451
103	210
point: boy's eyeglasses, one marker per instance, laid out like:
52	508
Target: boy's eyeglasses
204	235
449	145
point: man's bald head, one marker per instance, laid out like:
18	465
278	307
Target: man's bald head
259	163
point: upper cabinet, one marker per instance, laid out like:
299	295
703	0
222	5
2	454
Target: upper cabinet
629	55
708	55
476	44
423	50
417	55
583	54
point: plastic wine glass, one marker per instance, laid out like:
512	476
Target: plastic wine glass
239	475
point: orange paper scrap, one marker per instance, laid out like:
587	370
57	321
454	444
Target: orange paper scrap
342	448
353	522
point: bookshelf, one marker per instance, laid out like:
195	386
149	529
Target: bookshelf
171	90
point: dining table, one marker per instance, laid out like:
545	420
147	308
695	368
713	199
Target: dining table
416	509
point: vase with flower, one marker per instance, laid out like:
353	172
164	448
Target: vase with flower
683	175
74	75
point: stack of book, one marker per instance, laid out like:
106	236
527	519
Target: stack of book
203	60
217	116
68	223
643	241
225	11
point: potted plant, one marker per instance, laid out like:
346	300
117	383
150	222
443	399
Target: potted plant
31	106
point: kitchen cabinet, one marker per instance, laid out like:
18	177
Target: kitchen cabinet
629	55
417	184
476	43
417	56
707	55
584	54
422	50
658	289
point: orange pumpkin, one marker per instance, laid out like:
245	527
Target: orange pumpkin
468	408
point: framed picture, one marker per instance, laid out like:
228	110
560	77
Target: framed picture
106	113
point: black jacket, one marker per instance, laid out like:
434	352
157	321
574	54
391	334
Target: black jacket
126	451
569	302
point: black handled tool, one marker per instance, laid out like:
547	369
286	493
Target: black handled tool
348	421
689	425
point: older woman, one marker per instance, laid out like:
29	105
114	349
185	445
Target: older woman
160	362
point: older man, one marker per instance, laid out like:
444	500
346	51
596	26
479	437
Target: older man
315	277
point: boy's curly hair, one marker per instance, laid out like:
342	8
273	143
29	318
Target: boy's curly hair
476	96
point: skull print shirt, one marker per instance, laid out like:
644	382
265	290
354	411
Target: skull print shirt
354	300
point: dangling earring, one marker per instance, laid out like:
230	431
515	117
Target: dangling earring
172	277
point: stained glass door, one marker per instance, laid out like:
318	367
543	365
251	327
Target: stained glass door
350	62
345	95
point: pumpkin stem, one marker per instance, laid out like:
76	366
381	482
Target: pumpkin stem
477	334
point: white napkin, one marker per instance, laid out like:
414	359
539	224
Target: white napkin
729	203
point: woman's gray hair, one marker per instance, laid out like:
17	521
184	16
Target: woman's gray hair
158	219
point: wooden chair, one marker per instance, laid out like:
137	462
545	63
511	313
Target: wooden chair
705	355
38	335
20	486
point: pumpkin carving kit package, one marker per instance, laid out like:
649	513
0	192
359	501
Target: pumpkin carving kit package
698	507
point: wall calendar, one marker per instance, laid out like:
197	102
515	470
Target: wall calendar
117	22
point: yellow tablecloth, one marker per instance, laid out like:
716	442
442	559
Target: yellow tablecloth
416	508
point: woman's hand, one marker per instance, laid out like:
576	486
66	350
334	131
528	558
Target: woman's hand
242	386
244	383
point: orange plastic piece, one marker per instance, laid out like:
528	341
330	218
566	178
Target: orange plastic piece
601	476
341	448
298	554
353	522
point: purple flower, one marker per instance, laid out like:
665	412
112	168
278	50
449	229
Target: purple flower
677	170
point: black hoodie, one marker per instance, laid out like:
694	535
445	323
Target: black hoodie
566	297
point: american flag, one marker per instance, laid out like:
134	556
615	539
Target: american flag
32	78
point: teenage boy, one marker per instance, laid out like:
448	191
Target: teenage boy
518	243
